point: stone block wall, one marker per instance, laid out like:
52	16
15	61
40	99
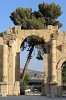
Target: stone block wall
10	59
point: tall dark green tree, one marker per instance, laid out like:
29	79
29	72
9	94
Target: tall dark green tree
50	13
25	18
32	42
47	14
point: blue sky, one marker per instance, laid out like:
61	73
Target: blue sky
8	6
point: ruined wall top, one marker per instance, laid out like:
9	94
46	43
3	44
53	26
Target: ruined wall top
50	32
16	31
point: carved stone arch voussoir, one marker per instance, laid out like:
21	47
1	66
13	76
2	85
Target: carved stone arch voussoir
60	62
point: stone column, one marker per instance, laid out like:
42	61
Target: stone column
53	82
5	62
11	68
46	75
53	61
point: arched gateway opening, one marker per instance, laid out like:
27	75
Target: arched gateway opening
35	46
64	77
10	59
60	75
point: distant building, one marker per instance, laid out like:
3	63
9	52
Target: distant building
36	79
35	84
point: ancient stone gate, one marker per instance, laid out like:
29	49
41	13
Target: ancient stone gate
10	44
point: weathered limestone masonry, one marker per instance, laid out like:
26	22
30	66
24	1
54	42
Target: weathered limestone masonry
55	44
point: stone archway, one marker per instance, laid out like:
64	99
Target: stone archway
59	75
10	58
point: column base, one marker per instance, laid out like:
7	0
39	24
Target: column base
16	88
53	89
3	89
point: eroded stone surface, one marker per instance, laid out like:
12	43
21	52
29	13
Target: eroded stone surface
55	43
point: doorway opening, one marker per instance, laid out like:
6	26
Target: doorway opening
32	64
64	76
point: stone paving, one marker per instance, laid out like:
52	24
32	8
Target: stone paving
25	97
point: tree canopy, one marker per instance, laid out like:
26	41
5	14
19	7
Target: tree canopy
34	42
47	14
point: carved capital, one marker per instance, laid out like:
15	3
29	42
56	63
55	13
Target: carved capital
54	35
9	39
